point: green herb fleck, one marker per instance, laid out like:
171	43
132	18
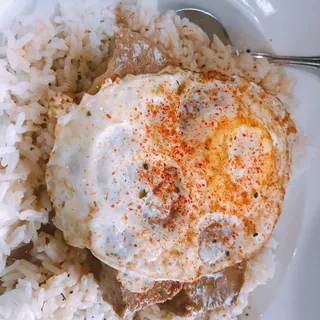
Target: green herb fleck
148	203
177	252
63	297
256	195
89	114
135	245
255	234
178	82
214	241
143	193
227	253
177	190
145	166
162	292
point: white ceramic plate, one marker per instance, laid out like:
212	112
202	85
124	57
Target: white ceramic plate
286	27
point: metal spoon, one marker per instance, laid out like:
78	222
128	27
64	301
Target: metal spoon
211	25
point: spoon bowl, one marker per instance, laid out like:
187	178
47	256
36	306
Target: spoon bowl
207	22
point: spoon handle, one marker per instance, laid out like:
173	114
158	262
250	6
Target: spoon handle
312	61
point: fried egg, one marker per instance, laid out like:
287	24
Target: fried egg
171	176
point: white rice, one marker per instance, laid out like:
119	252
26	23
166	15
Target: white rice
65	53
